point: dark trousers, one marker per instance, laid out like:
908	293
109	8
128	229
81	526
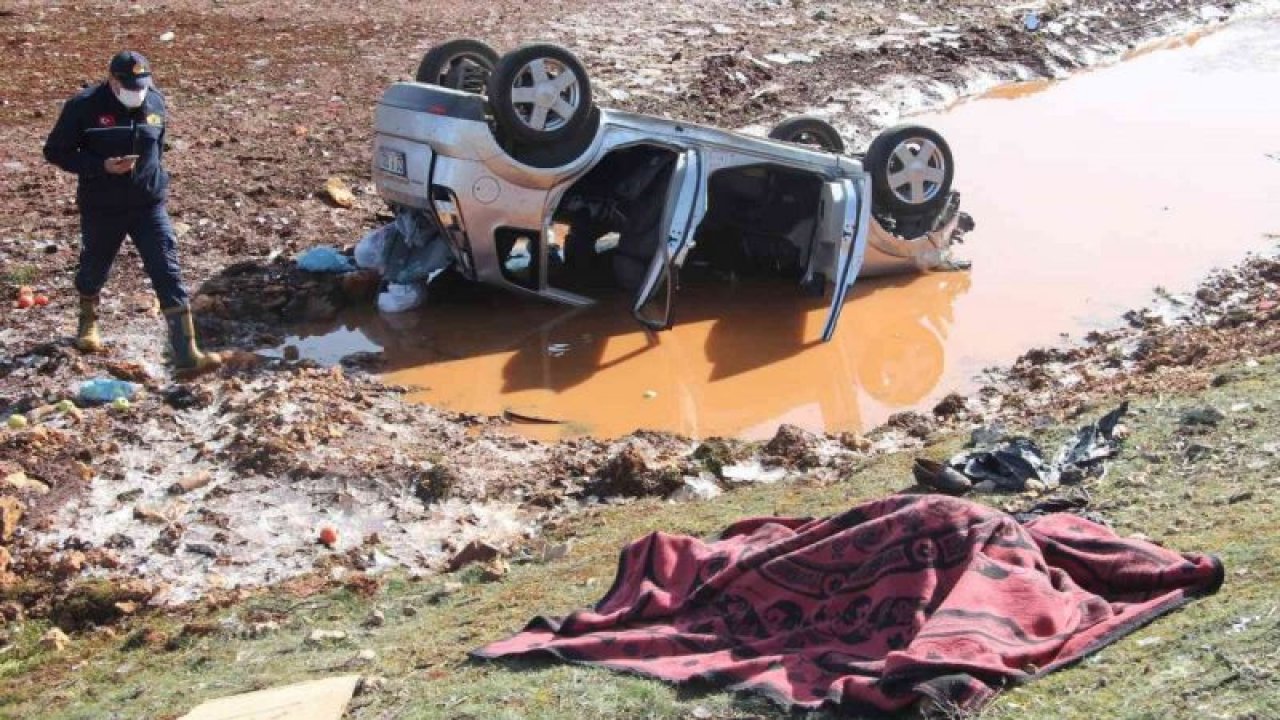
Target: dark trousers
102	232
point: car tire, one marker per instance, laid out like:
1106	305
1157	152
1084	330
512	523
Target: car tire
540	95
458	64
902	184
559	154
810	131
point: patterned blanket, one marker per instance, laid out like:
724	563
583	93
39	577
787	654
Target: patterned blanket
877	608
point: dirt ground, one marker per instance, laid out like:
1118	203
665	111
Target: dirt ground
1193	487
268	100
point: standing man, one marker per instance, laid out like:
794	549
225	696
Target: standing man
111	135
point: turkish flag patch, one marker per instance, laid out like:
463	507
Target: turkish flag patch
106	121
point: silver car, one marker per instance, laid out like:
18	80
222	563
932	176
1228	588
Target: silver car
539	191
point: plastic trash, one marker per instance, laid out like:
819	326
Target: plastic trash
104	390
324	260
1093	442
398	298
1031	21
1008	464
372	248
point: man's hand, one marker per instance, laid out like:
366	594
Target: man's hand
120	165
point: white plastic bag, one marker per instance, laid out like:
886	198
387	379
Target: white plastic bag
372	248
402	298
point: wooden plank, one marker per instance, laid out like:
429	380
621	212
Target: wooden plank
316	700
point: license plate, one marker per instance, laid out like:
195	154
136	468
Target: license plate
392	162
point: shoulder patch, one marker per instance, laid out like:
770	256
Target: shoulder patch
155	119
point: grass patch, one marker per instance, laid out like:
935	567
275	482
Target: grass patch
21	275
1217	658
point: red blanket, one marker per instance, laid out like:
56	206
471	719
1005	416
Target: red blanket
892	602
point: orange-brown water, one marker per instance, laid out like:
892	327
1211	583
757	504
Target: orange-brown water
1087	194
739	360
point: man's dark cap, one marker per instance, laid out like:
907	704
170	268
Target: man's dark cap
131	69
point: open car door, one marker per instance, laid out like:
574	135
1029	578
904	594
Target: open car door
653	303
847	203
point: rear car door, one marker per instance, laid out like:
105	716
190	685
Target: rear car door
654	301
847	203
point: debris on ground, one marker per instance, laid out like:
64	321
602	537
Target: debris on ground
474	552
1076	503
106	390
321	637
793	446
952	405
323	259
702	487
371	684
914	424
337	193
11	510
752	472
1206	416
1082	455
1018	464
55	640
315	700
635	471
937	476
194	481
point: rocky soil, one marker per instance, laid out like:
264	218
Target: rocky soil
197	489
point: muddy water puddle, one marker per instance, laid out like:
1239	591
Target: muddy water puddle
1087	193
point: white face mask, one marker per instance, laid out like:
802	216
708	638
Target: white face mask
131	98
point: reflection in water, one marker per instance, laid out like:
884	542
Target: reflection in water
903	371
741	359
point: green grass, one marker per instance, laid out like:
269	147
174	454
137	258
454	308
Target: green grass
1217	658
21	275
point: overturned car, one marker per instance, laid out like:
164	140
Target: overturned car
539	191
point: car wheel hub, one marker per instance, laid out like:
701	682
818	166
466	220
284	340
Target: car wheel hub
546	95
916	171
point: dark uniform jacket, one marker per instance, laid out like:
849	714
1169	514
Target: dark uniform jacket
94	126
